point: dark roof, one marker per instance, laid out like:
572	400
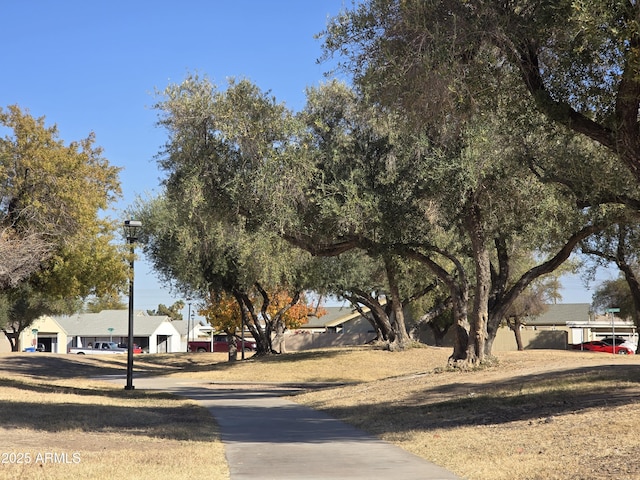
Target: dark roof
334	316
97	324
560	314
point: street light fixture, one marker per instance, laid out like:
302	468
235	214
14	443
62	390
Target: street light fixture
131	228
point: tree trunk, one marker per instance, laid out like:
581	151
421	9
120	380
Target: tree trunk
634	287
377	313
461	327
369	318
13	339
233	347
488	344
383	324
376	328
262	335
482	264
459	288
438	334
399	326
518	333
515	328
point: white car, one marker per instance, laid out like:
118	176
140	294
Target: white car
621	342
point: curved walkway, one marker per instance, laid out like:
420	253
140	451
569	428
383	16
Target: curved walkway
268	437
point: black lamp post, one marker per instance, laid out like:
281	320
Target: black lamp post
131	228
188	322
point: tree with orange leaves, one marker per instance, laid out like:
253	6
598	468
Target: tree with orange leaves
284	314
279	312
223	313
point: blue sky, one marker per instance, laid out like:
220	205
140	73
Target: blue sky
93	66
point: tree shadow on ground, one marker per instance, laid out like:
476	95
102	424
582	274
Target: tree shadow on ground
36	375
69	366
37	387
537	397
181	421
198	361
163	415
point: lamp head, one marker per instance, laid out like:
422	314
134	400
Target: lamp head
131	229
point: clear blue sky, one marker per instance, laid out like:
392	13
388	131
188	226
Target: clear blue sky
93	66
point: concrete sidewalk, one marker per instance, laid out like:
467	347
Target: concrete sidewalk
267	437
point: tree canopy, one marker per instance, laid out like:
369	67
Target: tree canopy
56	249
346	174
578	62
493	83
51	193
461	148
173	311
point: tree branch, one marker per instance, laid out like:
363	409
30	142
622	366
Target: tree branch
528	61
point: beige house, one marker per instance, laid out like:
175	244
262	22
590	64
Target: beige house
563	325
581	324
46	331
340	326
342	319
550	330
155	334
560	326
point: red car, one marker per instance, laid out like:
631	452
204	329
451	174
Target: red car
598	346
136	348
220	344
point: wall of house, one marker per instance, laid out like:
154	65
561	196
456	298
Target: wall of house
166	339
531	339
5	346
358	325
49	334
553	338
308	340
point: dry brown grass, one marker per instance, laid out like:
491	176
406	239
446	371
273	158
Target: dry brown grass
530	415
533	415
58	424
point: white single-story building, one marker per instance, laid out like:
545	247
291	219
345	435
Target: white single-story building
155	334
192	331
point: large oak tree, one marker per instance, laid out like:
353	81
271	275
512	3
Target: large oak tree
454	70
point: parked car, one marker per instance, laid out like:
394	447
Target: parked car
621	341
600	346
136	348
39	348
220	344
98	348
